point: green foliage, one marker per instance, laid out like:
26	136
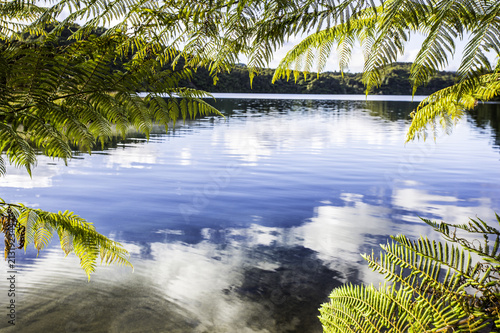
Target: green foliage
430	286
37	227
57	95
448	105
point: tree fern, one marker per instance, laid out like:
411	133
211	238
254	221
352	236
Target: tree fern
430	286
58	95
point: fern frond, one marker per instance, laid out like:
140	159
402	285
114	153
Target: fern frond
423	297
344	35
366	309
16	147
485	37
421	278
437	46
475	226
75	235
449	104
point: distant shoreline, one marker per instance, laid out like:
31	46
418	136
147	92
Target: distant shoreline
324	97
332	97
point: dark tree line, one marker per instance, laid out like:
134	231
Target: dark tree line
395	82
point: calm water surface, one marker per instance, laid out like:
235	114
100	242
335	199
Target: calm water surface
245	224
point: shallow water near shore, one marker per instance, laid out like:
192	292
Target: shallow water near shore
246	223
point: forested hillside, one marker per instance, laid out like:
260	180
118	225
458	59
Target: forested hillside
395	83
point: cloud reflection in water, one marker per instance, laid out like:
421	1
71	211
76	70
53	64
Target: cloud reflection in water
235	280
307	193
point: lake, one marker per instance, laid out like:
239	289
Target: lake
246	223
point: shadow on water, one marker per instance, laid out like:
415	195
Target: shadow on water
99	307
299	282
487	117
388	110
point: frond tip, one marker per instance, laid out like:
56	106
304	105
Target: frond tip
430	286
76	235
447	106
